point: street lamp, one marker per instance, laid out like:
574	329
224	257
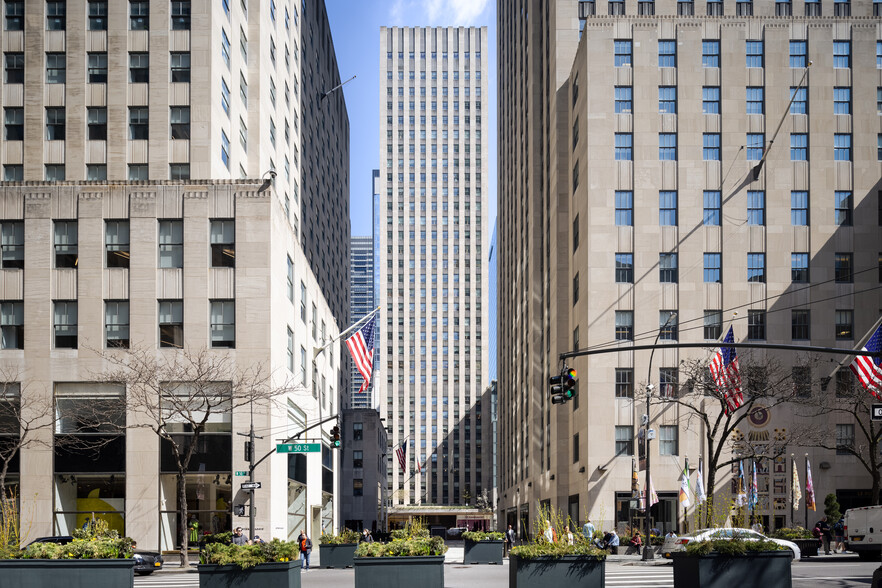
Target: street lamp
647	548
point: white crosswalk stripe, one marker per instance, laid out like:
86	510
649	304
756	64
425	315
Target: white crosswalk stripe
167	580
656	577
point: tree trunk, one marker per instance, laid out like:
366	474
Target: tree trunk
875	492
709	490
182	510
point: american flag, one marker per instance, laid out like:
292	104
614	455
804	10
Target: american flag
401	454
869	369
724	369
361	346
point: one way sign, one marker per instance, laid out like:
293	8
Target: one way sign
877	412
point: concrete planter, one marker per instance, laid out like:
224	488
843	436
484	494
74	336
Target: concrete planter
554	572
269	575
72	573
478	552
426	571
337	556
769	569
808	547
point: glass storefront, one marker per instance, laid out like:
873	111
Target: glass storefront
209	504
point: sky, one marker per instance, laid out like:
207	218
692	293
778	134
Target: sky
355	26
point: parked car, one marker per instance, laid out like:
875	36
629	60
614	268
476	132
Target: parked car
146	562
455	532
674	544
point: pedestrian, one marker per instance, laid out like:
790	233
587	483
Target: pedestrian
366	536
825	533
305	549
635	544
839	536
569	536
258	540
193	526
548	535
670	535
613	542
509	538
588	530
239	538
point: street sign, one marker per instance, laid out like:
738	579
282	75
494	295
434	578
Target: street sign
241	473
877	412
298	447
250	485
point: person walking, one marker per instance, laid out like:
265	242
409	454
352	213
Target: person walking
588	530
825	532
509	539
305	549
839	536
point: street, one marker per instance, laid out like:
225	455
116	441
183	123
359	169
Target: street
834	571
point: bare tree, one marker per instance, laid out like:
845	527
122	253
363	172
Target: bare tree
22	417
178	395
767	383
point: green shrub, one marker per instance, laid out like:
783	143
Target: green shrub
482	536
403	548
531	550
792	533
226	538
731	547
248	556
345	536
94	548
413	529
831	508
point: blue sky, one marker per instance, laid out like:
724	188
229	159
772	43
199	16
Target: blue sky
355	26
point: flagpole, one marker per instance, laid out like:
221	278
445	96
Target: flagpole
317	350
792	497
806	494
686	473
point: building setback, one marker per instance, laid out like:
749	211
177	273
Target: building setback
627	199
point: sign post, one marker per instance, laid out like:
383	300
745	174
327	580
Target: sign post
250	485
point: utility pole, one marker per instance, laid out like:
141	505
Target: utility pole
251	465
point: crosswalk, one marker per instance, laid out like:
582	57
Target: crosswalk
167	580
627	576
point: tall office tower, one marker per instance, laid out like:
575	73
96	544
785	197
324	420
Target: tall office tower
177	128
361	303
433	278
655	221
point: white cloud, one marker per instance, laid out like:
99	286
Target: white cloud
466	11
437	12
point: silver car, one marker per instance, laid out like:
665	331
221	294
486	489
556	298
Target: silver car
674	544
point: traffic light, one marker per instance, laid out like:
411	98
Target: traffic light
335	437
563	387
557	384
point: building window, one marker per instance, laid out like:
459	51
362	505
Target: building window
116	243
225	149
841	8
576	288
171	243
798	147
624	325
65	244
712	208
842	147
667	268
116	323
624	142
225	47
667	54
623	53
842	54
799	268
755	100
624	440
138	123
14	124
223	243
357	459
65	324
624	383
625	268
96	172
97	16
138	172
575	173
14	68
668	325
756	325
710	53
713	268
139	68
54	172
180	122
139	15
97	123
223	323
56	68
576	233
800	102
711	150
667	146
842	100
12	243
243	89
13	172
624	208
799	210
623	100
56	17
668	442
756	207
802	380
180	67
357	431
843	209
756	267
667	99
844	383
171	323
799	325
14	15
713	324
179	171
710	99
754	53
755	146
55	124
97	73
303	378
798	53
12	324
667	208
180	15
843	268
303	302
844	439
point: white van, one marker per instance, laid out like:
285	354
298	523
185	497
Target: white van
863	531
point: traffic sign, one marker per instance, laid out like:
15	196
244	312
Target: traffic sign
298	447
241	473
877	412
250	485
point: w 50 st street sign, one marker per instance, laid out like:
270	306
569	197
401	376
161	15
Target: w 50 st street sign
298	447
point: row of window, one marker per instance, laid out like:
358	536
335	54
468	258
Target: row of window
96	12
96	123
117	243
841	8
96	67
434	76
843	268
434	55
65	323
56	172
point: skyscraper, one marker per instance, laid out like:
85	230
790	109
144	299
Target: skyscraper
433	276
361	303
